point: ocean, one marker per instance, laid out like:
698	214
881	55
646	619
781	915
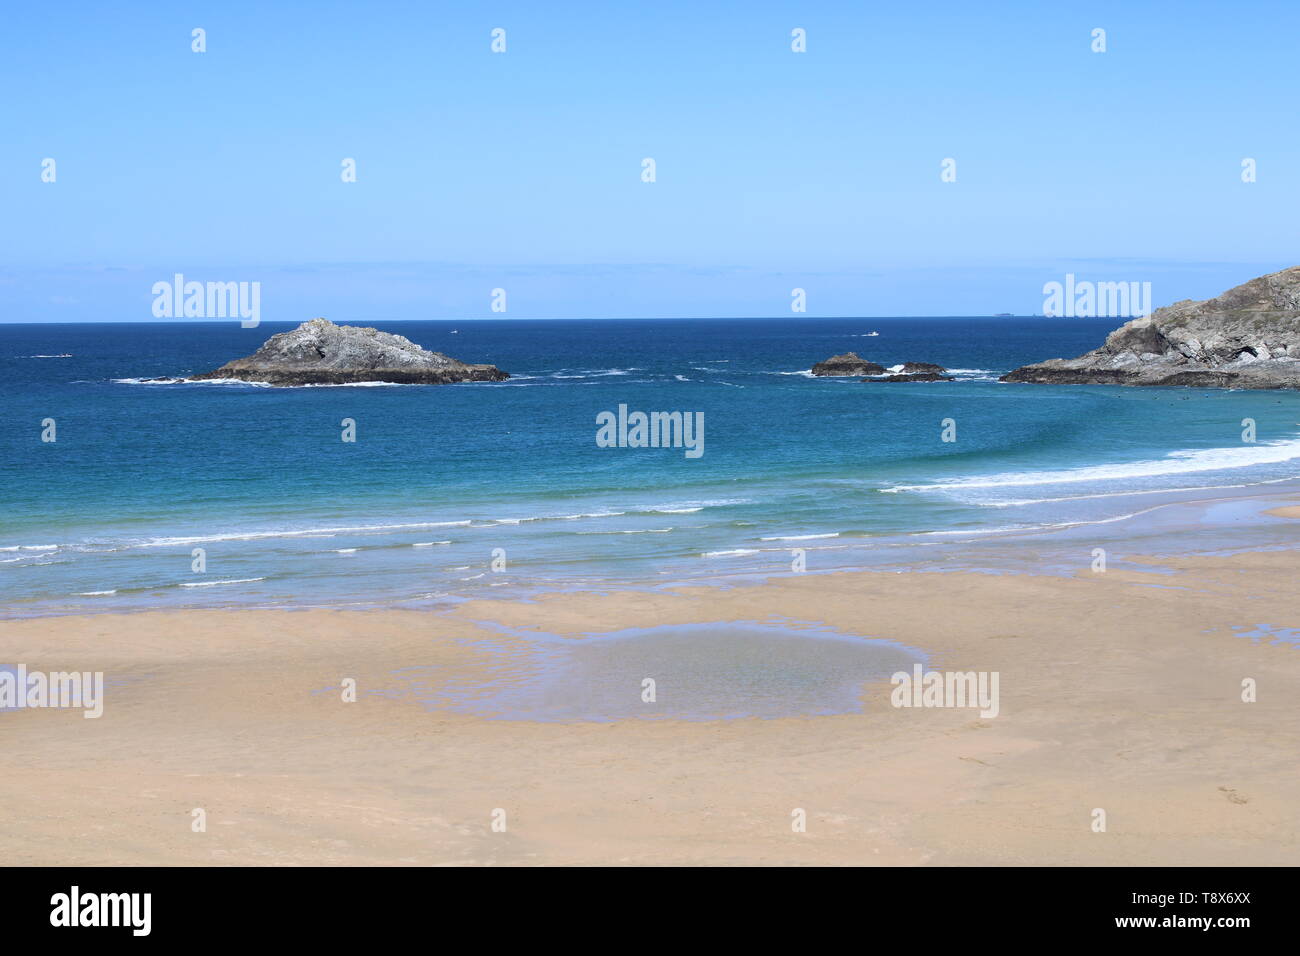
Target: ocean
455	492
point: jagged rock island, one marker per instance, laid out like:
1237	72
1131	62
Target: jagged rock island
850	363
322	353
1248	337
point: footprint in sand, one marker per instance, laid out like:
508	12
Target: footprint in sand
1234	796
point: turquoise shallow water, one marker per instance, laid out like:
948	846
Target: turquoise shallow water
451	491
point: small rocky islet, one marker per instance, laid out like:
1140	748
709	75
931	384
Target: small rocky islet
319	352
852	364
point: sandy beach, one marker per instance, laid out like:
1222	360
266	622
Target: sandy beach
1120	691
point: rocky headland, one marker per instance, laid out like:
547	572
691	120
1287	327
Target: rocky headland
322	353
1247	337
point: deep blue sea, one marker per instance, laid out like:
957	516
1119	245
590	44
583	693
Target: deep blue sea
442	478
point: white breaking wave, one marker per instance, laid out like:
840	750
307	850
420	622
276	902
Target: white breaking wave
428	544
210	584
577	517
690	506
952	371
631	531
1020	502
240	381
1022	529
179	541
1175	463
185	381
304	533
801	537
734	551
97	593
603	373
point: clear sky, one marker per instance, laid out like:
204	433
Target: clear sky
522	170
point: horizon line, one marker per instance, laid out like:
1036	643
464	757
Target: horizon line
696	318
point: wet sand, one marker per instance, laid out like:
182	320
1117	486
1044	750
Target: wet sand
1120	691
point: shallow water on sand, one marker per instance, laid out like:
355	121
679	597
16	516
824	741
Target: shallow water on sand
708	671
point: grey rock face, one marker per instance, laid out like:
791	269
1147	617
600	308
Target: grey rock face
914	368
322	353
1248	337
850	363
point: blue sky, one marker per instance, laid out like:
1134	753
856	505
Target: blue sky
522	170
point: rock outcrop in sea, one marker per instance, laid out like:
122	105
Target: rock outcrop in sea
1248	337
850	363
912	377
920	368
322	353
